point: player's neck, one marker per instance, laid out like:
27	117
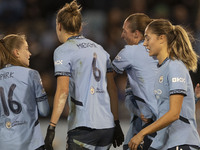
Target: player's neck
70	35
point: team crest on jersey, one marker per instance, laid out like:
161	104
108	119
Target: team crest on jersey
92	90
118	58
8	125
161	79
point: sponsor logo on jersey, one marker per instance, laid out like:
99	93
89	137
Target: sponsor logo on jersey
99	90
157	93
178	80
58	62
17	123
118	58
161	79
10	123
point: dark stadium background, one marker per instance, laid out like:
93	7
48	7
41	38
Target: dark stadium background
102	22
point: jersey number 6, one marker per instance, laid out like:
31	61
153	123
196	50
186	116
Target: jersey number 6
14	106
96	71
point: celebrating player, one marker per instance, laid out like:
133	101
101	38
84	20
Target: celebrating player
84	75
21	97
173	88
141	70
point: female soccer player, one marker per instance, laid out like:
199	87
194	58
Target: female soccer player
141	71
84	75
173	88
21	97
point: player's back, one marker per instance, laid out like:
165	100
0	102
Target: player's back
18	110
87	64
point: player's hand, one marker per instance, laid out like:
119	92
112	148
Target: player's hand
118	138
146	120
136	141
49	137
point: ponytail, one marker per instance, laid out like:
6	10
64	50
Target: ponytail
181	48
179	44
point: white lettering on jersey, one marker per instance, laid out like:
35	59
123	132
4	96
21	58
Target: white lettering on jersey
85	45
178	80
118	58
58	62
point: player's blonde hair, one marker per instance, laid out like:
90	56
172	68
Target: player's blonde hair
179	44
70	17
7	45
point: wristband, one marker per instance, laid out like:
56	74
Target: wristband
53	123
51	127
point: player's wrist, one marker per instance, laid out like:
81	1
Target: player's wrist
116	122
52	125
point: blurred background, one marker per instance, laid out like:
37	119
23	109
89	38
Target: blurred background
102	22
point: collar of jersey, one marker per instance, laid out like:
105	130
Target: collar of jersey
166	59
75	37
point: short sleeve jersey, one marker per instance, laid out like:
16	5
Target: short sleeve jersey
20	89
141	70
86	63
173	78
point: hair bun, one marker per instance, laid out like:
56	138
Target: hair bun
73	8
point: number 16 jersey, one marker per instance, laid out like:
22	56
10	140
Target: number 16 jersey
21	91
86	63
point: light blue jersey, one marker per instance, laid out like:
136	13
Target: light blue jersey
21	96
173	78
135	122
86	63
141	70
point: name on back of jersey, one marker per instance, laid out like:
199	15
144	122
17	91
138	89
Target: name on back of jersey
86	45
6	75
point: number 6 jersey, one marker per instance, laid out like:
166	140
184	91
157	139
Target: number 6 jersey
21	96
86	63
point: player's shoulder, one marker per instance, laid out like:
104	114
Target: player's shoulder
23	73
130	51
25	70
176	65
63	47
98	47
95	44
21	68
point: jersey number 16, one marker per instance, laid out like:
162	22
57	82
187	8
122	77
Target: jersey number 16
14	106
